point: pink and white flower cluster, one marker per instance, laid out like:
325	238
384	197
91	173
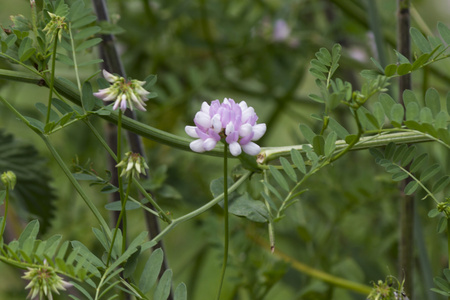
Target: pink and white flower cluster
234	122
125	93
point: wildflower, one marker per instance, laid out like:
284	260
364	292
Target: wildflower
44	281
135	164
9	179
281	30
125	93
233	122
56	23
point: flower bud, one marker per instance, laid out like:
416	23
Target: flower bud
133	164
9	179
44	281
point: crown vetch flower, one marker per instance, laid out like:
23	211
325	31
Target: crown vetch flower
133	164
44	281
124	93
233	122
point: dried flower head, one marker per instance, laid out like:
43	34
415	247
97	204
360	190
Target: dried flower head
132	164
124	93
233	122
57	23
44	281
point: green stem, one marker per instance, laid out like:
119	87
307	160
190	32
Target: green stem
270	225
101	140
178	142
355	140
52	77
225	214
76	185
74	56
122	196
201	209
122	211
162	214
6	212
407	137
65	169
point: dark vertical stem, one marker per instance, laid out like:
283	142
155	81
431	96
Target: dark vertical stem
406	244
113	64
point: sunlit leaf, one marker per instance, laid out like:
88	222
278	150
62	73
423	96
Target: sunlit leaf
411	187
420	41
298	161
288	169
164	286
444	32
279	178
307	132
397	114
151	270
432	101
319	144
181	292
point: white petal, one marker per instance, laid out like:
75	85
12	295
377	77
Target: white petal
216	123
243	105
190	130
247	113
116	104
209	144
197	146
109	77
235	149
225	101
229	129
245	130
205	107
203	119
251	148
258	131
110	96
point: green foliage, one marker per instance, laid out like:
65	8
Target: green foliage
33	192
28	252
443	284
396	160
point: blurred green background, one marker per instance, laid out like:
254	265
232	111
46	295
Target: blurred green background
257	51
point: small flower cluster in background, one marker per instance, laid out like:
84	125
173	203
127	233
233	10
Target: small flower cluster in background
132	164
125	94
231	121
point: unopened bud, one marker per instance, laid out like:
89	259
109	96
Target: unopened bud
133	164
9	179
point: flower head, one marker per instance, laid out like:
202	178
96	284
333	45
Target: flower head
133	164
233	122
56	23
9	179
44	281
124	93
